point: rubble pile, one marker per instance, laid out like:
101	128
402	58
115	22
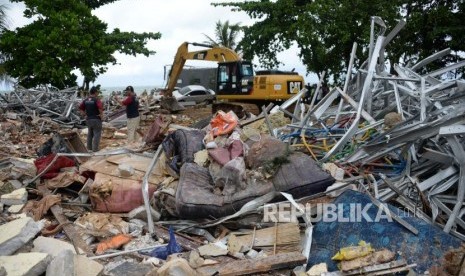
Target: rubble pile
58	106
367	180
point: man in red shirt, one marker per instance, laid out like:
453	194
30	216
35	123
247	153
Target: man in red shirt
92	108
132	112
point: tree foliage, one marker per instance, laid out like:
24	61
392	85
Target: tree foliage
3	27
431	26
325	30
63	37
226	35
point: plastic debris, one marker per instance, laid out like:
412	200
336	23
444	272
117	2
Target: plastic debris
172	247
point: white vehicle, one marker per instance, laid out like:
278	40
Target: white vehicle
191	93
194	93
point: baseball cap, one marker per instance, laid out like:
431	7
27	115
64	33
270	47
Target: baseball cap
129	88
93	90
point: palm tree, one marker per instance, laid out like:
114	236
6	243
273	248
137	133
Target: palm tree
225	35
3	27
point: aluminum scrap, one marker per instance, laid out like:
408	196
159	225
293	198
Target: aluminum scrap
419	160
60	106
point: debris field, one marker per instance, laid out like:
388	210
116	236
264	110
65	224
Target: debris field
368	180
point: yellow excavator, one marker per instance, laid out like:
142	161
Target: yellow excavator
236	79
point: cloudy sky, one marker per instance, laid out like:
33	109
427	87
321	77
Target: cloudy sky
177	21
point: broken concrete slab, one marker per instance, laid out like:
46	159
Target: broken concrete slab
68	263
334	170
16	183
17	233
25	263
130	268
213	249
51	246
15	209
318	269
16	197
125	170
177	266
195	260
62	264
86	266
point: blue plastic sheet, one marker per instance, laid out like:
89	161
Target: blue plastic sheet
171	248
425	249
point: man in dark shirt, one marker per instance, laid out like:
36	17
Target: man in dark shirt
132	112
92	108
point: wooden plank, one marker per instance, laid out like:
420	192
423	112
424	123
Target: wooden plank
279	261
138	162
286	234
68	227
187	244
100	165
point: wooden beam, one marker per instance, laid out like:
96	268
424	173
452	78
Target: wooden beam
187	244
279	261
68	227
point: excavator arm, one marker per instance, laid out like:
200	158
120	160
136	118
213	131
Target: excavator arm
213	53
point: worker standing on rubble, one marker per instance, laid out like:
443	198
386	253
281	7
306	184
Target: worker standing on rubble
132	112
92	108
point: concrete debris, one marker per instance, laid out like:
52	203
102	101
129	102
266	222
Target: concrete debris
15	209
17	233
62	264
334	170
26	263
125	170
175	267
195	260
318	269
17	197
213	250
51	246
68	263
130	268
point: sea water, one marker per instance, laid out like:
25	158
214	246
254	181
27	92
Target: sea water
107	90
139	89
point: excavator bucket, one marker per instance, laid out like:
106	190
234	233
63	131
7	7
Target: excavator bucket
171	104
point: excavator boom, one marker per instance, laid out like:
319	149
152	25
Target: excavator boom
214	53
